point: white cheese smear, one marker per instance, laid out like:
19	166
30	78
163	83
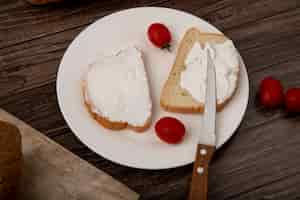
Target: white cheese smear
226	61
117	87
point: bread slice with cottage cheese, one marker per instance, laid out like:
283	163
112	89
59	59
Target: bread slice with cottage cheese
174	98
116	91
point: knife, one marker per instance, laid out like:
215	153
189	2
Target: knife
207	139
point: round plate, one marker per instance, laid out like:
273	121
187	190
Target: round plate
139	150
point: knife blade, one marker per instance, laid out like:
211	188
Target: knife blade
207	138
207	134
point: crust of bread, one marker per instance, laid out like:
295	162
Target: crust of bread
113	125
173	97
181	109
10	143
11	160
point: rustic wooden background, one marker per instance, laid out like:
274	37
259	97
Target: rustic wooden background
261	161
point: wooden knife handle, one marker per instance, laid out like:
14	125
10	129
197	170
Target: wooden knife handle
199	185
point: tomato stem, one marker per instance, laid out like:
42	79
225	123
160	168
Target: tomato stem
167	46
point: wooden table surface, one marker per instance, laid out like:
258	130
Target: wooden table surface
261	161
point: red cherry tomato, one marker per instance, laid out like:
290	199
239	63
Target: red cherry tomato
271	93
292	100
159	35
170	130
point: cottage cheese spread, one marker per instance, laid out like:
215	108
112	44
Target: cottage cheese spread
117	87
226	61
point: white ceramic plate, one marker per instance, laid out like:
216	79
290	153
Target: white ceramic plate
126	147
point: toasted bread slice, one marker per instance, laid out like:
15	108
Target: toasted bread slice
174	98
138	96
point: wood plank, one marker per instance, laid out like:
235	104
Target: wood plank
285	188
38	107
230	14
40	21
255	158
263	34
32	64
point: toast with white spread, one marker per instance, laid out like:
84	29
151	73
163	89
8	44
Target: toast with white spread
116	91
184	90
